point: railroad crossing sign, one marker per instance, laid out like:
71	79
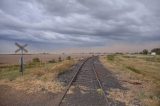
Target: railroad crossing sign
22	49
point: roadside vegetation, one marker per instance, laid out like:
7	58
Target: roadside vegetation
140	74
38	76
111	57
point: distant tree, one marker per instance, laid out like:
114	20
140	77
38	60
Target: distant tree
145	51
59	59
68	58
156	50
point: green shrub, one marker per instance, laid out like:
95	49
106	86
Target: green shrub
52	61
60	59
133	69
111	57
36	60
68	58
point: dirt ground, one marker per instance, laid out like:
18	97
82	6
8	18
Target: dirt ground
83	93
32	93
12	97
141	88
123	88
40	87
14	58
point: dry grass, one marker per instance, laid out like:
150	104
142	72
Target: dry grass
39	78
14	58
140	74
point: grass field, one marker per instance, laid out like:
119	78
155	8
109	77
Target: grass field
140	74
37	76
12	59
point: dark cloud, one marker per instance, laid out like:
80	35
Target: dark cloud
79	23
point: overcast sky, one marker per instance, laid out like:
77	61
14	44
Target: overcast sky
79	25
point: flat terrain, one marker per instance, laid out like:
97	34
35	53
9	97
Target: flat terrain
127	80
39	85
139	74
14	58
42	84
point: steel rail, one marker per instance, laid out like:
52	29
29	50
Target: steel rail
100	84
70	83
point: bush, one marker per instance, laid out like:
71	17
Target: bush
36	60
145	51
110	57
60	59
133	69
68	58
52	61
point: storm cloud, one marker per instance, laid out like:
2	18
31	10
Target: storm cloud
79	23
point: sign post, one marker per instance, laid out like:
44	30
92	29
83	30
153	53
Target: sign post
22	49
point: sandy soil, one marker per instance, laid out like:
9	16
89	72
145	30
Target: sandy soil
12	97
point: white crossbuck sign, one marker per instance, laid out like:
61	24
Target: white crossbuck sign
22	49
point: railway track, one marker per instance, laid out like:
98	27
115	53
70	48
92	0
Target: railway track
85	88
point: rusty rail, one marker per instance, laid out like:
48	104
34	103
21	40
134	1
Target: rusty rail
74	77
70	83
100	84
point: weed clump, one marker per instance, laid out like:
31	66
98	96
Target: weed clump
62	68
100	91
68	58
133	69
36	60
52	61
152	59
59	59
111	57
